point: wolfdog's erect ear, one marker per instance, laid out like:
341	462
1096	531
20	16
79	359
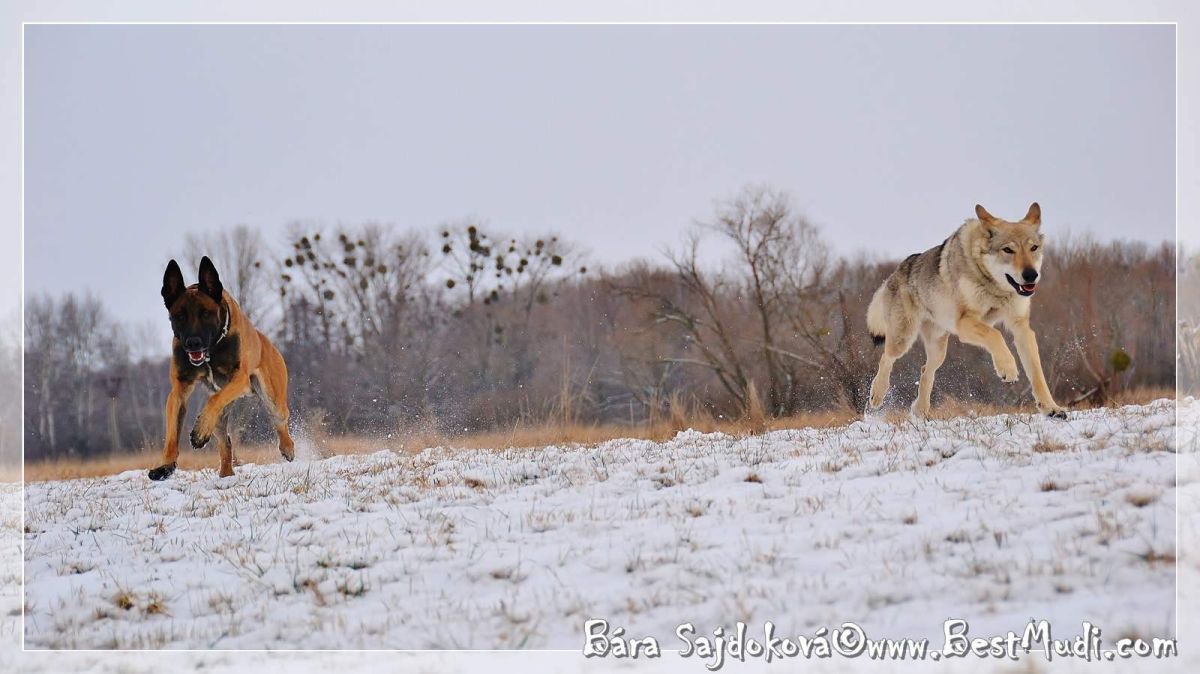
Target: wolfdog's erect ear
1034	216
210	282
172	284
988	220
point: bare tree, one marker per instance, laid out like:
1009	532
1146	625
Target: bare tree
68	341
779	260
707	319
10	391
242	256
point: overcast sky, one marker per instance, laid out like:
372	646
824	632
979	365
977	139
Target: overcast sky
619	137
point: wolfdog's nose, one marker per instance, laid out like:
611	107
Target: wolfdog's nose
192	343
1030	274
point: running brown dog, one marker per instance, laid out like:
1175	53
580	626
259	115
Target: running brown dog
216	344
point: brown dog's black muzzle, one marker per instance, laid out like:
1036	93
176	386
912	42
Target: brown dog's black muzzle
197	353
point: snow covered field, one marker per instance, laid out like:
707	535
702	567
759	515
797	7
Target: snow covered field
897	527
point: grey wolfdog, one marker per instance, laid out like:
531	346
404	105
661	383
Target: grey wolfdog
985	273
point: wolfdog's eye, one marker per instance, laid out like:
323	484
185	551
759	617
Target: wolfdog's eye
1008	250
1032	248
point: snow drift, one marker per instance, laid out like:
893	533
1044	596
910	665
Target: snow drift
894	526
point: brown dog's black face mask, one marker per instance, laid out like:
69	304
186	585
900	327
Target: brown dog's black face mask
197	317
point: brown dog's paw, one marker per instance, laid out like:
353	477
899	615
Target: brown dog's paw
198	440
162	472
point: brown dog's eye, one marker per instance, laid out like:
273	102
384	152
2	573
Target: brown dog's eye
1008	250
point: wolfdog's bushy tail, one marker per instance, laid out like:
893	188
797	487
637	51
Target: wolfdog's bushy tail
877	314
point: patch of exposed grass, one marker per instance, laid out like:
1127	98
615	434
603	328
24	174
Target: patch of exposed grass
526	434
1051	484
1140	499
123	600
1153	557
1048	446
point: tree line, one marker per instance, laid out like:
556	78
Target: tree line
467	327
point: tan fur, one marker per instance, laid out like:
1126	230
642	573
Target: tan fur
247	362
960	288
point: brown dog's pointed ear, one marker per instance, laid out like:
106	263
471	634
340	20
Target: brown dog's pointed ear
210	281
172	286
1034	216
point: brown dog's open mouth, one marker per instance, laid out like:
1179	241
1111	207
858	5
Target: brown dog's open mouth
198	357
1023	289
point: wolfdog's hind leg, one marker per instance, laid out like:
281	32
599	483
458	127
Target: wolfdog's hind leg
935	343
897	344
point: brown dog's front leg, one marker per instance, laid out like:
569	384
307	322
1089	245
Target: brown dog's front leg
225	445
206	422
173	415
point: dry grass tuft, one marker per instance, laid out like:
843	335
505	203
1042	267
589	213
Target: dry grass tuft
756	419
1153	557
1048	446
123	600
156	605
1140	499
1050	484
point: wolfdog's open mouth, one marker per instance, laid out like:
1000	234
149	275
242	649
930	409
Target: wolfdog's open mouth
1023	289
198	357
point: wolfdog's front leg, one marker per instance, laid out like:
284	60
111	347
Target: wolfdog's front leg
974	331
1031	362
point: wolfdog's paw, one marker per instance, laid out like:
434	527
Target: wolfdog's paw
920	411
1007	372
878	395
162	472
